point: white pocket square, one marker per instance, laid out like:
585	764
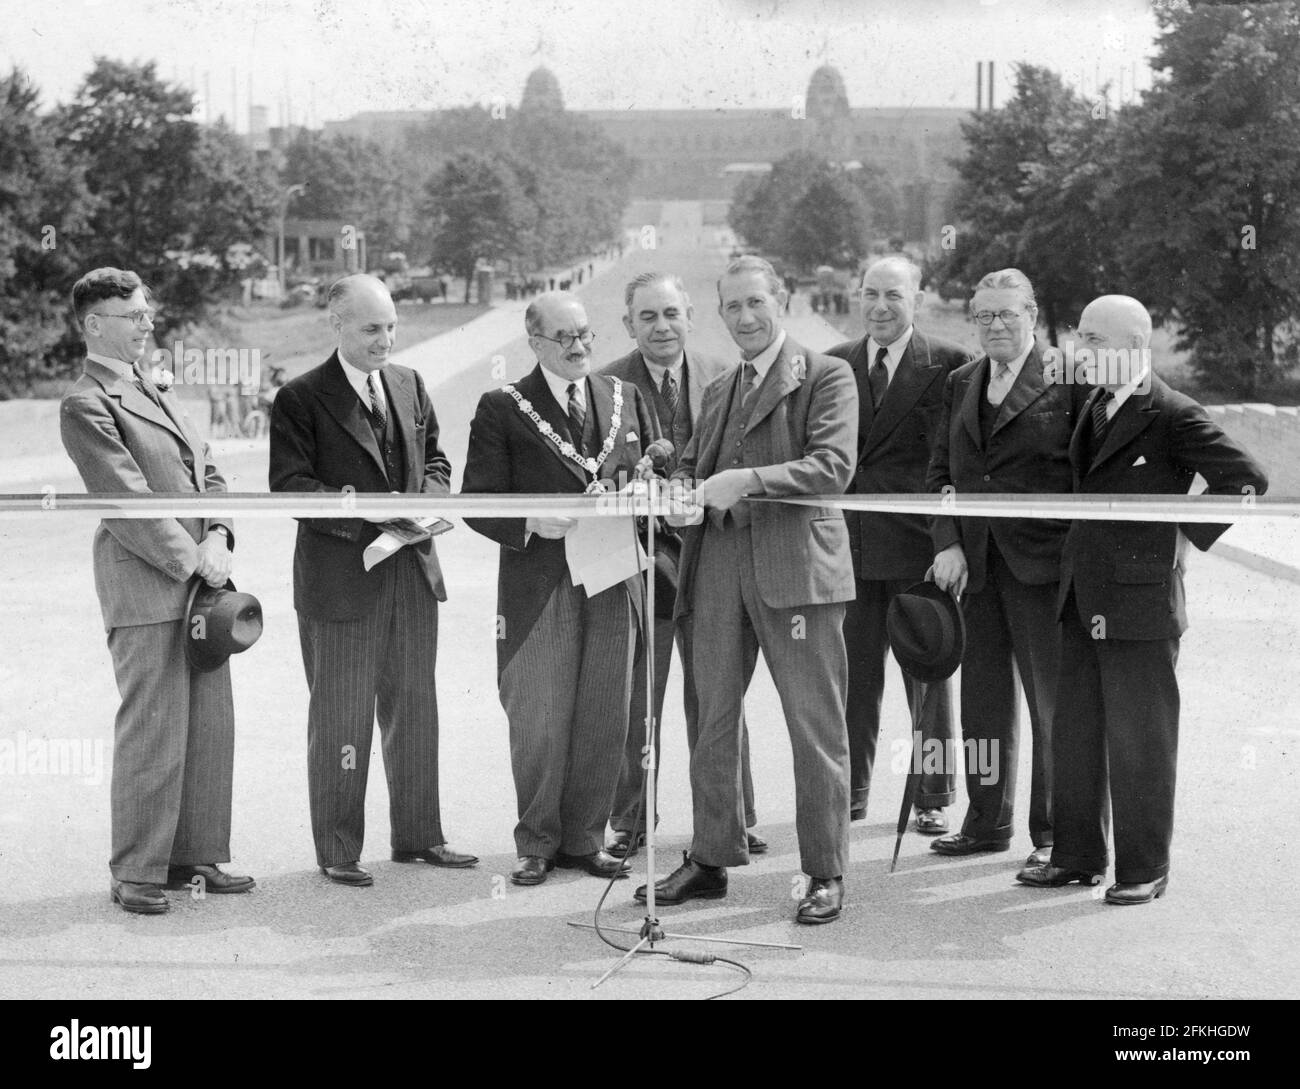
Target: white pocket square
632	436
1140	461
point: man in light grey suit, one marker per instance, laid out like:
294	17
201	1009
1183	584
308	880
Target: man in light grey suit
174	740
659	316
772	576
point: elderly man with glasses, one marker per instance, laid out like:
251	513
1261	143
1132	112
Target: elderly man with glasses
564	657
1004	428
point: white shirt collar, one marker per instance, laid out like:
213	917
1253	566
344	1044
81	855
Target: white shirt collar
1016	363
559	387
657	370
1124	393
764	360
359	380
893	352
119	367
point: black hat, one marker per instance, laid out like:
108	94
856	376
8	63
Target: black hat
927	632
219	623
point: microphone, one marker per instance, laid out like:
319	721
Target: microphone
655	459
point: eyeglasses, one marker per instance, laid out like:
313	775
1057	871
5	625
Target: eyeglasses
138	317
985	317
568	340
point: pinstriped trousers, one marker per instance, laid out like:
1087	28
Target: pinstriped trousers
173	755
804	650
565	693
382	662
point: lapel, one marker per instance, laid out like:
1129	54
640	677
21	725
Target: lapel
860	364
600	400
640	376
913	377
711	442
695	385
1134	416
779	382
1079	436
400	391
342	403
533	388
138	404
970	402
1027	388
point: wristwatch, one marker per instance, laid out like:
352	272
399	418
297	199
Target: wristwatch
223	531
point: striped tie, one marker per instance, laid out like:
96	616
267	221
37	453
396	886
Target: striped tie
376	405
879	377
1099	420
669	391
577	417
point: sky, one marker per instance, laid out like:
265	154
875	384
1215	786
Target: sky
309	61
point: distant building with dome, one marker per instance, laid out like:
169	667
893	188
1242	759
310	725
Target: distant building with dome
702	154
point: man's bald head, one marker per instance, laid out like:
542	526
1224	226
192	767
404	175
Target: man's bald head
1121	318
364	320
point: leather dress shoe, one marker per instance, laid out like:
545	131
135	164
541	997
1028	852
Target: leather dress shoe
1135	892
442	855
958	843
531	870
1048	876
858	813
1039	856
138	897
690	881
757	845
621	843
215	879
598	864
822	902
931	821
348	873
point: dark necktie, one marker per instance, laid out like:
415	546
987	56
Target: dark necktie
749	383
577	417
1099	420
669	391
146	388
879	377
376	405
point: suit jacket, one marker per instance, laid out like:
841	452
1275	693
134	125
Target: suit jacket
894	448
1028	450
801	440
701	370
121	441
1131	573
508	454
321	441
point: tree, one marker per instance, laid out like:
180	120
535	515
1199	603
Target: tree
1028	194
480	210
169	196
44	207
1206	190
758	210
826	226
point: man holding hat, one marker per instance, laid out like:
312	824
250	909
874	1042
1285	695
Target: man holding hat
174	739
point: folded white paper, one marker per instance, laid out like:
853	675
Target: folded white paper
602	552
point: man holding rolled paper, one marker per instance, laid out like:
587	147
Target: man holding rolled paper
369	637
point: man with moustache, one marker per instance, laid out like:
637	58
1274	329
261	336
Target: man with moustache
564	659
1122	611
359	423
174	738
900	374
659	318
1004	428
773	576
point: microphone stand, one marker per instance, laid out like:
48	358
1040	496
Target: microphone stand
650	931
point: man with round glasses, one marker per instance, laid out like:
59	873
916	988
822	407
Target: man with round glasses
1004	428
564	658
174	738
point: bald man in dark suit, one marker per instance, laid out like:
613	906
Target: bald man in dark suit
1122	610
361	423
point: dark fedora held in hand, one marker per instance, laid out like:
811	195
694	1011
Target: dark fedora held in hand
927	632
219	623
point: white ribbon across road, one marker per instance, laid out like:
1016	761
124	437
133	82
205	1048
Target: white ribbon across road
1114	508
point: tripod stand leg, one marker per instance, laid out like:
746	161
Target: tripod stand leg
623	960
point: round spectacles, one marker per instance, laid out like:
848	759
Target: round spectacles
568	340
137	317
985	317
